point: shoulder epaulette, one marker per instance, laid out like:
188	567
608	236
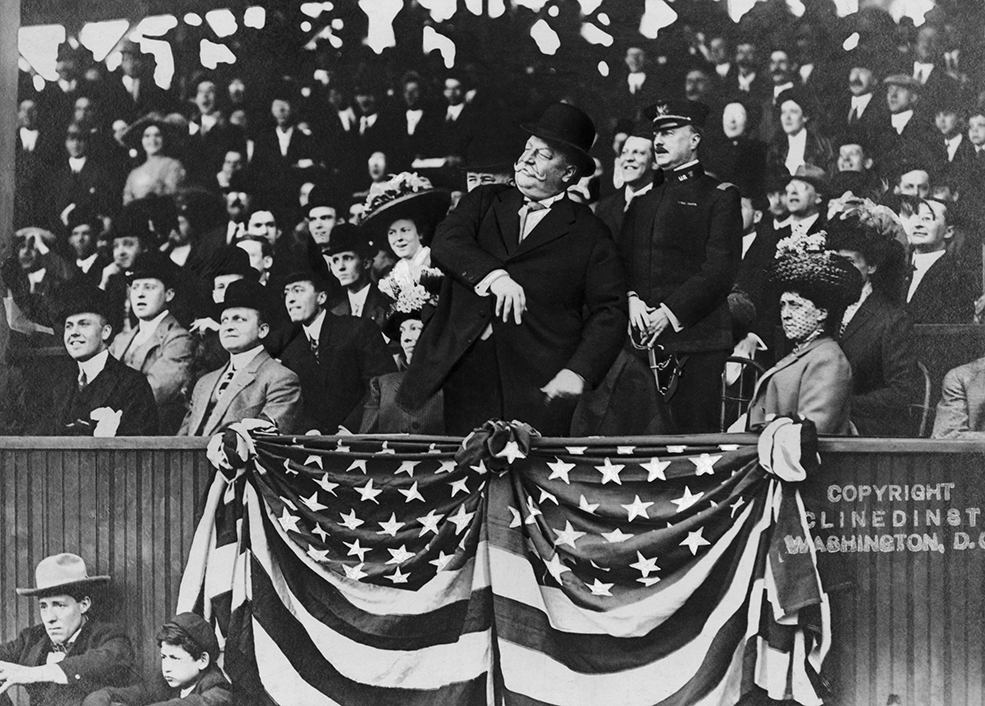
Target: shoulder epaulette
725	185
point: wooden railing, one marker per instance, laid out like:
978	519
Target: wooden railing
909	609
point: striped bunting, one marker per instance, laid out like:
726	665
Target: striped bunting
367	571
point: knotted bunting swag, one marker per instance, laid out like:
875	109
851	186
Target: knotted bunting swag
509	569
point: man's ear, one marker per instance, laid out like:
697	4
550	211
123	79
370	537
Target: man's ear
168	295
321	298
106	333
203	661
263	330
948	232
757	216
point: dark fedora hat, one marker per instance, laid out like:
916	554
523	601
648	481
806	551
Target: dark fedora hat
568	126
153	264
349	238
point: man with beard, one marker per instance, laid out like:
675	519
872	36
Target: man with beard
533	309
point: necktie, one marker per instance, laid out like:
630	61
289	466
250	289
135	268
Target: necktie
853	116
528	208
224	383
83	381
313	342
363	124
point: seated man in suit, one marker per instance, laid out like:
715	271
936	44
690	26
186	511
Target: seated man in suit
251	384
939	290
351	259
98	395
335	356
961	410
70	654
159	347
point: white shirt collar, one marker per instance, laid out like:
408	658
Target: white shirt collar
922	262
796	149
635	80
900	120
804	224
952	145
187	690
93	366
76	163
357	300
860	103
348	117
549	201
179	254
631	194
777	90
86	264
29	138
747	240
238	361
313	330
146	329
413	119
723	69
35	277
454	111
745	82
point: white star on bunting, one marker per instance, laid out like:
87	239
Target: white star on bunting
516	521
532	511
320	531
447	466
600	568
616	536
736	505
569	535
511	450
391	526
686	500
556	567
728	447
368	492
400	555
312	502
576	450
429	523
341	447
625	450
544	495
705	464
312	459
610	472
461	519
442	561
317	554
406	467
398	577
288	521
327	485
655	469
637	509
695	540
356	550
560	469
600	589
385	449
648	580
583	504
676	449
479	468
411	493
460	485
350	521
358	465
644	565
287	468
355	572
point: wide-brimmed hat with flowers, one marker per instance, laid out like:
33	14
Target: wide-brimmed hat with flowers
410	299
405	195
805	265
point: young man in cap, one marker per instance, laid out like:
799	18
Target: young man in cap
334	356
159	346
70	654
636	164
351	259
251	384
189	650
98	395
681	246
534	308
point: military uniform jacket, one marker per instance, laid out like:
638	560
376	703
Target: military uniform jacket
576	314
100	656
681	245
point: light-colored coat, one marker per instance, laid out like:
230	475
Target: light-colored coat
961	411
263	387
166	361
815	382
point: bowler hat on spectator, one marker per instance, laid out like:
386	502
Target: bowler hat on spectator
308	275
79	297
348	238
246	294
153	265
230	260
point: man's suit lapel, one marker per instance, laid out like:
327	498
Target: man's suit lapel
141	353
861	316
243	379
506	208
104	384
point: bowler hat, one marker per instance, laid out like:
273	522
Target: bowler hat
308	275
85	216
570	127
677	113
349	238
153	265
229	260
199	631
246	294
61	573
80	297
322	196
904	80
810	174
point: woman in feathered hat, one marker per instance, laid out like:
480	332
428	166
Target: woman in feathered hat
403	213
153	137
815	379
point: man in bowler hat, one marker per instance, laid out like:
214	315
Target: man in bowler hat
533	310
681	246
69	654
97	395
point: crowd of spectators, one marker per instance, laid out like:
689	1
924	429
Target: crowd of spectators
143	205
